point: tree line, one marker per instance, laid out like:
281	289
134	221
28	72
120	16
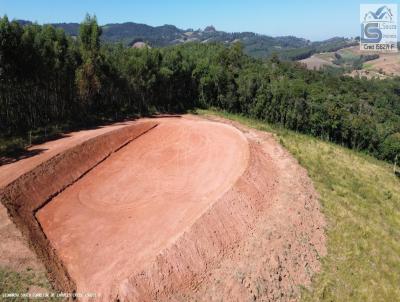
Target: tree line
48	77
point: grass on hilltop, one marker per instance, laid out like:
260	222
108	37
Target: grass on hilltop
360	197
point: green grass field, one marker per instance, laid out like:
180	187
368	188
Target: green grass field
360	197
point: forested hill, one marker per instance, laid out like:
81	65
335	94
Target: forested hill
49	79
256	45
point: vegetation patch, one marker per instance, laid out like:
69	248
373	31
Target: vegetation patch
368	66
20	283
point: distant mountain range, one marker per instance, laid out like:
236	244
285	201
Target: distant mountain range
257	45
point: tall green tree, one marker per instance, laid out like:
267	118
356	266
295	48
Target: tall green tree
89	75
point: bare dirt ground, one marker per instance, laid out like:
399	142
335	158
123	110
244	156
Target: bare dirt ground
141	199
15	253
315	62
190	210
388	64
283	249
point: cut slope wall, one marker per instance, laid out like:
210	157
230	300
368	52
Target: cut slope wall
24	196
214	234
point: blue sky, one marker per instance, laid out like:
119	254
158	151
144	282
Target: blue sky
311	19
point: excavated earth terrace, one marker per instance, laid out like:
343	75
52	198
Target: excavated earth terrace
175	209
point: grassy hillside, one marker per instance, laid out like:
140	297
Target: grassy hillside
360	197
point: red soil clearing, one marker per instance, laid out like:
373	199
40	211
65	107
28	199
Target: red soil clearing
178	209
138	201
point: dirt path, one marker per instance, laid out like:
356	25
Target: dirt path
45	151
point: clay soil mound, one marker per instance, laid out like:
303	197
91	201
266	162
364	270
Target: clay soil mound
176	209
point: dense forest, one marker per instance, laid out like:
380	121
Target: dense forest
48	78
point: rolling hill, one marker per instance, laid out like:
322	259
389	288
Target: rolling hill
256	45
355	62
